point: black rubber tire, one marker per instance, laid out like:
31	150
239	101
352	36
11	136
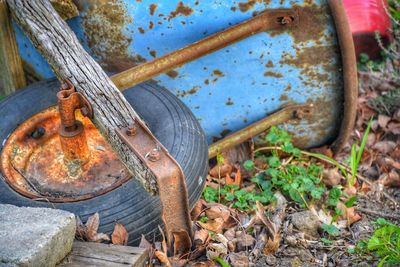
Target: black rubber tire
170	121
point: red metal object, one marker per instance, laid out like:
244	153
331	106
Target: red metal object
365	18
171	185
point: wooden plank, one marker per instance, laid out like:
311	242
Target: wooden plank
96	254
68	59
11	71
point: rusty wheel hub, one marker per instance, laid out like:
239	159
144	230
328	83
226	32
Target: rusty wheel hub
36	163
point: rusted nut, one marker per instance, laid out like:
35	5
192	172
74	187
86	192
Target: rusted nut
131	131
153	155
285	20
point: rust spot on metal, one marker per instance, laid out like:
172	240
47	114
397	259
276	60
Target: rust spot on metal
172	73
141	30
311	23
181	10
246	6
104	24
283	97
153	53
35	167
191	91
233	8
273	74
151	25
308	59
152	8
269	64
218	73
229	102
207	81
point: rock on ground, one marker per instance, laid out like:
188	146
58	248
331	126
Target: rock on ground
34	236
307	222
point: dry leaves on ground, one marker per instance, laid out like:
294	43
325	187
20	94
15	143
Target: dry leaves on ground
120	235
88	231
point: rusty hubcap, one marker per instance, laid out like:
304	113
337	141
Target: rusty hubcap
34	164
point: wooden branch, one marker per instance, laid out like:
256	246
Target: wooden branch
58	44
11	71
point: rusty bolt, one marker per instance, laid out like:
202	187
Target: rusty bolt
285	20
154	155
131	131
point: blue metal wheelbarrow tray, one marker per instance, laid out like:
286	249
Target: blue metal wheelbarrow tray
308	64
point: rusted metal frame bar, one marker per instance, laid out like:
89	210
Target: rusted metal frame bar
349	65
272	19
171	184
279	117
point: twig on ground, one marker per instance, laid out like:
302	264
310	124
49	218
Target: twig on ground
379	214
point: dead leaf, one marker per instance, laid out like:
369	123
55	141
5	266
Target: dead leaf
272	246
217	210
365	188
238	177
244	240
229	180
385	147
92	225
331	177
197	209
200	237
349	214
394	128
163	258
383	120
350	190
391	179
239	259
396	115
215	225
145	244
88	231
352	216
221	171
120	235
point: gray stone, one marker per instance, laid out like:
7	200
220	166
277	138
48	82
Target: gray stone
34	236
307	222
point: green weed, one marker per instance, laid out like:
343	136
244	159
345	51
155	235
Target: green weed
384	243
356	154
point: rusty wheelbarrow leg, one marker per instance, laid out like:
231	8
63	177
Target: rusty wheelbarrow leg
171	184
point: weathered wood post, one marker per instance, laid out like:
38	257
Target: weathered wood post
11	71
58	44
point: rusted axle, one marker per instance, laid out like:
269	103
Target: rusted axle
272	19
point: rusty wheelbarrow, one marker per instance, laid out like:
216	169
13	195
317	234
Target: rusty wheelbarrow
290	64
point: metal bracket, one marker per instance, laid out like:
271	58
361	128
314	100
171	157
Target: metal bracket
171	184
68	101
